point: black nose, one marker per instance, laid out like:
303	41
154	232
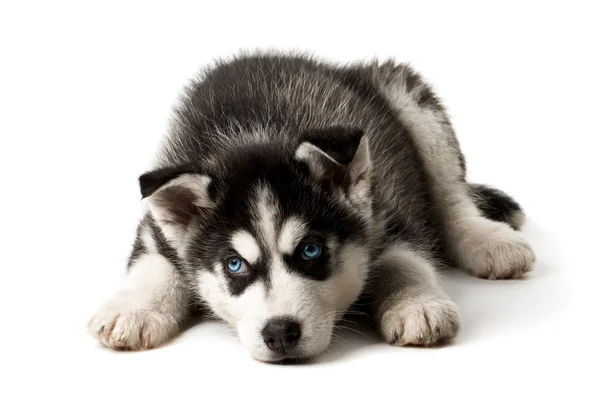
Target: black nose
281	334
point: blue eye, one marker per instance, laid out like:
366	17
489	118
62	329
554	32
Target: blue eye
236	265
311	251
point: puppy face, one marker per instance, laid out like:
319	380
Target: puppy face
277	244
281	273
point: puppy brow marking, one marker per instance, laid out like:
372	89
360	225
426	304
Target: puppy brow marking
292	232
246	246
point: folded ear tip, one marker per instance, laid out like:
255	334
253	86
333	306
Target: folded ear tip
148	183
145	192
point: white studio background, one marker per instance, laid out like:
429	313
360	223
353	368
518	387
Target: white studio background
85	93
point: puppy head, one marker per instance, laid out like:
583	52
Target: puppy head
276	240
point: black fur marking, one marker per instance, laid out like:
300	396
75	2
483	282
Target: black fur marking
412	80
493	203
162	245
318	269
138	249
427	98
255	271
237	285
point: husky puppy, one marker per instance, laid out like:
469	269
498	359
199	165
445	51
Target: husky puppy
288	189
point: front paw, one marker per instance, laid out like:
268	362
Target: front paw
420	322
123	325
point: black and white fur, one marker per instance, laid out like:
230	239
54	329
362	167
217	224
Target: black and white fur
270	151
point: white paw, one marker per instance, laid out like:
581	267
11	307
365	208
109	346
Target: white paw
420	322
121	323
494	250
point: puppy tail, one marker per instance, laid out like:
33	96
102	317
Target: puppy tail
497	205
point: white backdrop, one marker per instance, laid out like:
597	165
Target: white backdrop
85	92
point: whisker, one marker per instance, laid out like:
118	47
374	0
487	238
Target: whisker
341	340
355	330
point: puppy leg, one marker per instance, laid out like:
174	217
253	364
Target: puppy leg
411	308
484	247
151	302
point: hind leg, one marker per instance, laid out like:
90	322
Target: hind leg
484	247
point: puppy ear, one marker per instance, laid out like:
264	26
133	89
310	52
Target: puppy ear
175	197
338	157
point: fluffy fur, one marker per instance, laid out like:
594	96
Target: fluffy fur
270	153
